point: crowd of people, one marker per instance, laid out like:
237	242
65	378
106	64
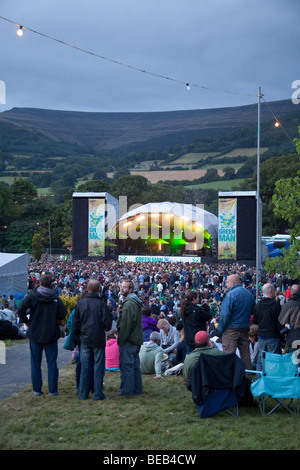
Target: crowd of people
153	318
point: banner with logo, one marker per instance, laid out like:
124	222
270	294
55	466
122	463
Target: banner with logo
96	227
227	228
158	259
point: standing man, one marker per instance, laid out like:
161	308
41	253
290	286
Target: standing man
130	339
290	317
265	315
91	319
45	310
234	322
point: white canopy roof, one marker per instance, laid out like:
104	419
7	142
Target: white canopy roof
188	211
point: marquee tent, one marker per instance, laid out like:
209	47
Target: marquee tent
13	273
191	212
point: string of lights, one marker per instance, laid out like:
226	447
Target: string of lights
277	122
137	69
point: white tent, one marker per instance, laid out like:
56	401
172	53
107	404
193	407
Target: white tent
195	213
13	273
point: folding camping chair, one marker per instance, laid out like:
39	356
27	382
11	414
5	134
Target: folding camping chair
279	380
217	384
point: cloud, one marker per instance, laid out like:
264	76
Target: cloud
226	46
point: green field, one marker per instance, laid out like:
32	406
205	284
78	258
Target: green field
219	185
163	418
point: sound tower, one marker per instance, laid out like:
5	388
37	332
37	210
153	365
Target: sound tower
238	226
94	214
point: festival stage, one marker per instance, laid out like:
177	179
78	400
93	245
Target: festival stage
164	231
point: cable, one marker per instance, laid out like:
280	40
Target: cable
277	121
187	84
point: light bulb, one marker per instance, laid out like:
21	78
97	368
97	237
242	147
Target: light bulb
20	31
188	87
277	124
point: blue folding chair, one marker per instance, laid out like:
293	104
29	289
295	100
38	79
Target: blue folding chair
279	380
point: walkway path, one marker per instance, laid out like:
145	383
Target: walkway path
15	373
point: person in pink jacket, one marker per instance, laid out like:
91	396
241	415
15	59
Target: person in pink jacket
112	351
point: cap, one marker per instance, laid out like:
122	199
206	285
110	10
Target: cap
201	337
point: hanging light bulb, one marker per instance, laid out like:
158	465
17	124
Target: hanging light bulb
20	31
277	124
188	86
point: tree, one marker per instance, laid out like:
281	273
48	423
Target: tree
94	186
37	246
211	175
286	200
131	186
22	191
272	170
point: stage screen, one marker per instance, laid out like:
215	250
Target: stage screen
96	227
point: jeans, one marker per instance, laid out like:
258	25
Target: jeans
272	345
87	354
51	352
130	372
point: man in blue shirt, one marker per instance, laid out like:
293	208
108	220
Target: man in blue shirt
234	322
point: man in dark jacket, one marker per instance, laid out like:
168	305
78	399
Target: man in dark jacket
45	309
290	315
265	315
92	319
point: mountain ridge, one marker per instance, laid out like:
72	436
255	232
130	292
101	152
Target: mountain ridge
114	130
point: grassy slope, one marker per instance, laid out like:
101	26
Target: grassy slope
163	418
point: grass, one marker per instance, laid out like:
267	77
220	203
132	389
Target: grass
163	418
219	185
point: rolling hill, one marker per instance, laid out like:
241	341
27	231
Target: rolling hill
92	132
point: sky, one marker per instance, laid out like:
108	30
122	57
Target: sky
140	54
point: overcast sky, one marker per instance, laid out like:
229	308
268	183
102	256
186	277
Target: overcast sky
224	45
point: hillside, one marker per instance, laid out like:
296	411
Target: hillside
135	131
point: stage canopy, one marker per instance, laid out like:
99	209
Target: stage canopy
13	273
166	227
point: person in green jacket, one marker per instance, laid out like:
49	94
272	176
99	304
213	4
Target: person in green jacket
130	339
203	345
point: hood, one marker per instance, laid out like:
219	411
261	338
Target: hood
150	346
134	297
147	321
44	294
111	342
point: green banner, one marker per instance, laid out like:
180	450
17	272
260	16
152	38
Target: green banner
96	227
227	228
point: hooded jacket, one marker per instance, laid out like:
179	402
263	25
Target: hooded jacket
149	325
194	320
45	309
265	315
290	313
150	358
112	354
130	323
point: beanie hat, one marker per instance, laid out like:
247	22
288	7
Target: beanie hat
201	337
